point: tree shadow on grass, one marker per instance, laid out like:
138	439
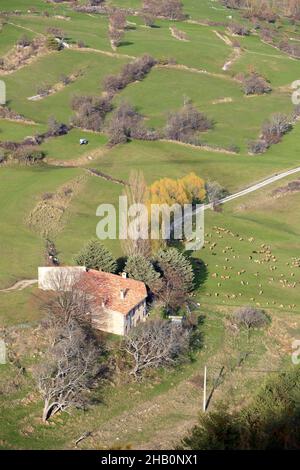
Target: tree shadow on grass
125	43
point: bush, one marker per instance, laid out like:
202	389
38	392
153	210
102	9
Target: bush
56	128
90	111
28	155
131	72
64	79
56	32
278	125
170	9
255	84
52	44
24	41
250	317
117	19
215	192
44	89
257	146
127	123
115	37
123	120
183	124
239	29
95	256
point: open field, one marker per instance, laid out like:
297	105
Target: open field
251	252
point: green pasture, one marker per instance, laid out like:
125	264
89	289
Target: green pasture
17	131
9	36
82	220
161	159
22	251
164	90
204	50
269	221
24	83
92	30
67	147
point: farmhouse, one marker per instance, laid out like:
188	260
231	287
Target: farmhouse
119	303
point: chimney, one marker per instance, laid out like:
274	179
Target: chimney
122	294
124	275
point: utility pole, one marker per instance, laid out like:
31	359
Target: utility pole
204	389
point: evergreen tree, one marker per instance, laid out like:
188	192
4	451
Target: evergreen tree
177	277
95	256
141	269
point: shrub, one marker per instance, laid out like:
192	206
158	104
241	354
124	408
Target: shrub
95	256
64	79
56	128
44	89
215	191
56	32
183	124
131	72
53	44
250	317
278	125
115	37
90	111
255	84
113	83
171	9
123	120
138	69
127	123
239	29
24	41
257	146
291	49
28	155
117	19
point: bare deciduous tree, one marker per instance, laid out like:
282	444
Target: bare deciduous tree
171	9
184	124
69	370
250	317
154	344
137	193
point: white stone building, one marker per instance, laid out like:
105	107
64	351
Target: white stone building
119	303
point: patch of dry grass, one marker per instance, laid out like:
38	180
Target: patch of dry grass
46	218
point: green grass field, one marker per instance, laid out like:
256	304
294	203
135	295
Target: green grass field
256	236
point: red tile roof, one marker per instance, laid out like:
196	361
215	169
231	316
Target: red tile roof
106	288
